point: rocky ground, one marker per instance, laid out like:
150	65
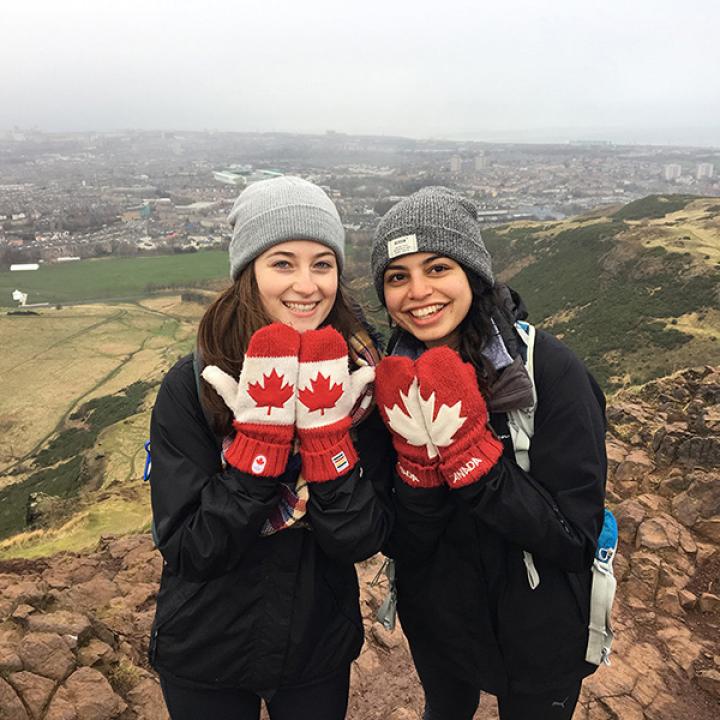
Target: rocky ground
74	628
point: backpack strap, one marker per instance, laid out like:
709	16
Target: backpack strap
602	594
521	424
198	366
386	614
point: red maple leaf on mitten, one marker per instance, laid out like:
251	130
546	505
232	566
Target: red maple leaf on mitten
320	394
456	417
267	380
325	384
274	394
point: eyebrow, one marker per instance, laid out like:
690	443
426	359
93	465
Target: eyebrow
432	258
285	253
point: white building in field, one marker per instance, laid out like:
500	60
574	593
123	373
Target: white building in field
24	266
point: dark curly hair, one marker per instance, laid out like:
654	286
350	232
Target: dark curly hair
489	303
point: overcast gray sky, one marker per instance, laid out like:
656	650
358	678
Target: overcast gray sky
625	70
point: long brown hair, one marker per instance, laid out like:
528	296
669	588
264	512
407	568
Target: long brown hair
229	323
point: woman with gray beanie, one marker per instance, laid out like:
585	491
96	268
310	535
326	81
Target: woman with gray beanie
500	468
266	481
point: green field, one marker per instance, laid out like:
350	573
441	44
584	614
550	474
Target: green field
113	278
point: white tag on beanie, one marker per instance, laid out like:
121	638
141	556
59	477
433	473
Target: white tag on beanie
402	246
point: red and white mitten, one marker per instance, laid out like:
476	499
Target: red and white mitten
262	400
456	417
327	393
398	399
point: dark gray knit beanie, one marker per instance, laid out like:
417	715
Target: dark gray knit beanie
284	208
434	219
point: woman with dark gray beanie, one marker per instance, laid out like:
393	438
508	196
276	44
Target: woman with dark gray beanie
500	473
267	484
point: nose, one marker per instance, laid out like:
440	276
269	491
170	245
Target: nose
418	287
303	283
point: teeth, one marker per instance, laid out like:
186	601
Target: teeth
426	311
300	307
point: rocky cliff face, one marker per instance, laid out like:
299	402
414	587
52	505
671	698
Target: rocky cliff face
73	633
74	628
664	453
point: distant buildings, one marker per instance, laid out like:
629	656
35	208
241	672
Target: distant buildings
229	178
136	212
96	194
460	165
481	163
241	175
705	170
672	171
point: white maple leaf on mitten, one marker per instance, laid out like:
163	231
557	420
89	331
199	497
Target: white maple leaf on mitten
411	424
468	450
443	426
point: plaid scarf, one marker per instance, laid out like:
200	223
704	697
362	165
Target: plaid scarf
294	493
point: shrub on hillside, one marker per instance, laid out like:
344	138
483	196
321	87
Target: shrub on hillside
61	481
109	409
62	469
196	297
654	206
67	444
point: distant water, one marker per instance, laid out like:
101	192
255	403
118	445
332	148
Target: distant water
674	136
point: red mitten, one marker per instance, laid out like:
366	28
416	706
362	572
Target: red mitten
262	401
456	417
398	399
327	393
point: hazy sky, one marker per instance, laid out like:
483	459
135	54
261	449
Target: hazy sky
626	70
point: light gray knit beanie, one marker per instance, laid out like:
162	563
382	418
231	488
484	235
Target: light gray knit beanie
434	219
284	208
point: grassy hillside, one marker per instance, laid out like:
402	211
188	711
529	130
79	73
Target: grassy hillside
634	295
55	361
79	384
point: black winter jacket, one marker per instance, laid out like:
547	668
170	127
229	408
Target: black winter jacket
464	598
237	610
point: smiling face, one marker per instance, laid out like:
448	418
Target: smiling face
428	295
297	282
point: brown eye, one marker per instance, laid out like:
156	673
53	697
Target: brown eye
394	277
